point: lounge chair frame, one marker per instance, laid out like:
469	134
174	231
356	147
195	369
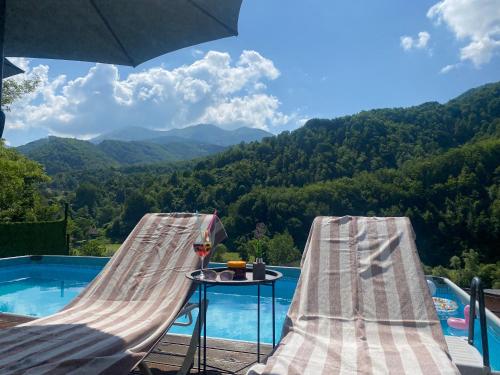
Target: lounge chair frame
188	362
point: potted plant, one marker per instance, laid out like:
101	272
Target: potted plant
259	267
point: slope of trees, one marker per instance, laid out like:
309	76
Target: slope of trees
20	197
453	201
385	138
67	155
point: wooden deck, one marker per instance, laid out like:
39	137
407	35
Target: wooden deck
223	356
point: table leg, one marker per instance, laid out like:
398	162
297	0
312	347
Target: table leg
274	319
205	329
200	323
258	322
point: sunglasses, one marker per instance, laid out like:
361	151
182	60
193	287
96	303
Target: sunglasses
225	275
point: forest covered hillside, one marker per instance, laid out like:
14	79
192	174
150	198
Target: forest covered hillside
135	146
69	155
66	155
439	164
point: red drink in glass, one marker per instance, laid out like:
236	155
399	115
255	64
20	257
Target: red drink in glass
203	249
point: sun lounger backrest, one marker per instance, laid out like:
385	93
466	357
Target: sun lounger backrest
361	305
366	266
115	321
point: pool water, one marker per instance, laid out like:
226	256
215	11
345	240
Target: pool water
232	312
444	291
43	288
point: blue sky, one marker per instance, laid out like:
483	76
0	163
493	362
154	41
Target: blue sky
293	60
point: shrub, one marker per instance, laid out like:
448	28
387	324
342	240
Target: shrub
94	248
219	253
282	250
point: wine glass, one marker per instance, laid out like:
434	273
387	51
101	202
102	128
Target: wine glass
202	249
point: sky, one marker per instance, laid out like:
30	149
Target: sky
293	60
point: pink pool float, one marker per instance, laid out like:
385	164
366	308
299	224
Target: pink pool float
459	323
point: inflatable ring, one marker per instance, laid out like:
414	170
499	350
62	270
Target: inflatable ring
444	305
459	323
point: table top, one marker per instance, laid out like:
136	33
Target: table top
271	276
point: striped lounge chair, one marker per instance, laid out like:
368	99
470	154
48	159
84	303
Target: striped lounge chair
113	324
361	306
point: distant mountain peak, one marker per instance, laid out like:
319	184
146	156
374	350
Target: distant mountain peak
199	133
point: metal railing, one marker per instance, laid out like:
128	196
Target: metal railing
477	293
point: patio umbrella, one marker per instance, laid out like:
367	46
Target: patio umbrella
124	32
10	69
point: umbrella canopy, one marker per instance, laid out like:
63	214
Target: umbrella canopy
121	32
10	69
124	32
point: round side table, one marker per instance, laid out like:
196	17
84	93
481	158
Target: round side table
204	284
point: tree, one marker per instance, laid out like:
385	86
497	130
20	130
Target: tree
15	88
81	224
86	195
455	262
462	276
20	178
93	248
282	250
135	207
257	247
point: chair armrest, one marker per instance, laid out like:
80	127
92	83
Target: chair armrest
186	311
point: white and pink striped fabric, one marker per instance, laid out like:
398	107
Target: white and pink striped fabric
121	314
361	306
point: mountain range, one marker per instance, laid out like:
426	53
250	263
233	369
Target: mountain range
135	145
201	133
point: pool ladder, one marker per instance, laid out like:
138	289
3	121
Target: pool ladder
477	293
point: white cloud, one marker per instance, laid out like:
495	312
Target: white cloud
420	42
212	89
448	68
260	108
475	21
406	42
196	52
423	39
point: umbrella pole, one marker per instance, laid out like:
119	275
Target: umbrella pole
2	34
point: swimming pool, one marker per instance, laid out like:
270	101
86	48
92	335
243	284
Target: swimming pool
238	305
43	285
448	290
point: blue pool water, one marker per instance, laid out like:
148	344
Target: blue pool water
43	288
232	312
444	291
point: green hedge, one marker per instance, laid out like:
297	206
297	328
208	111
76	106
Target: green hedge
38	238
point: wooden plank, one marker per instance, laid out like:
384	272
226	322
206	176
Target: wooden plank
8	320
228	355
159	369
223	356
225	361
237	346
